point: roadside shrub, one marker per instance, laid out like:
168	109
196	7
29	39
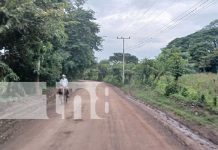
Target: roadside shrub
192	94
171	89
184	92
202	101
161	86
110	79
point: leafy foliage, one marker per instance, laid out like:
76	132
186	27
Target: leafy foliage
200	48
83	39
6	74
48	37
118	58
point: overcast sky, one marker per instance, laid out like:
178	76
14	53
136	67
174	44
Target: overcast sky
151	24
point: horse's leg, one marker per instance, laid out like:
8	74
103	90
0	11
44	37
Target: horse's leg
65	95
62	97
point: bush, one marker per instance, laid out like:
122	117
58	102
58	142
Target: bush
112	80
192	94
185	92
171	89
202	101
189	93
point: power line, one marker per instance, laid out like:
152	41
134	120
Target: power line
175	19
187	15
191	12
155	18
206	6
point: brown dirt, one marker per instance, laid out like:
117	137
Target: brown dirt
207	131
125	127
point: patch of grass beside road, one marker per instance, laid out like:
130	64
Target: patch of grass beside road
173	105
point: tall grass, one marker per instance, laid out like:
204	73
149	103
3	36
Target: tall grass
185	102
202	84
193	86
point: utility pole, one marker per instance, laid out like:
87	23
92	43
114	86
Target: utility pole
123	38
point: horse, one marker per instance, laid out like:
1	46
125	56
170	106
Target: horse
64	93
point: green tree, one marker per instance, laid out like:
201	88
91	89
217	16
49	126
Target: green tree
28	30
146	71
48	37
104	69
118	58
82	40
198	48
177	65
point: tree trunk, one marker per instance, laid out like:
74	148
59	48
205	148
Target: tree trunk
37	78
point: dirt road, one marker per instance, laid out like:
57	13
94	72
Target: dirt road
125	127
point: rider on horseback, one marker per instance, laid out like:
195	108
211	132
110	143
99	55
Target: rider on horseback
64	84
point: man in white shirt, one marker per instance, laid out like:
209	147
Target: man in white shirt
64	82
63	85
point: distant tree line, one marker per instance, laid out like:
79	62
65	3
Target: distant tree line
195	53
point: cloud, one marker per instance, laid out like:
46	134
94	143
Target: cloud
143	20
